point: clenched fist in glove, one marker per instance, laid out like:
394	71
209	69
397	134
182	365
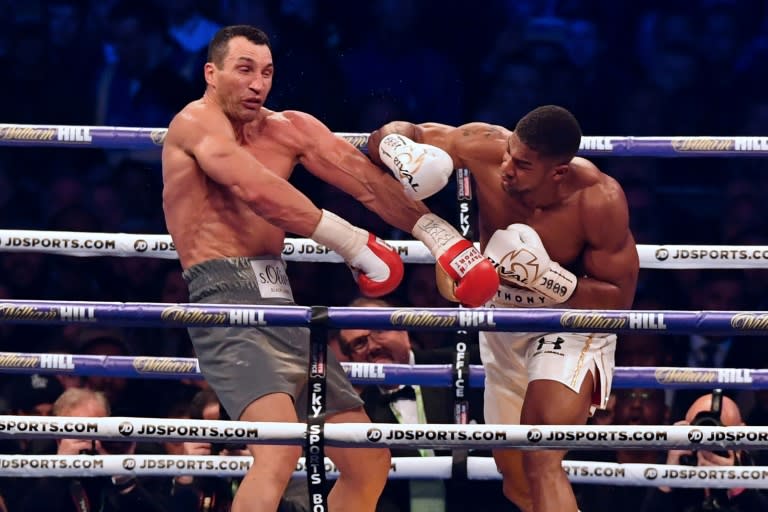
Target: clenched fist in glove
462	273
421	168
521	260
376	266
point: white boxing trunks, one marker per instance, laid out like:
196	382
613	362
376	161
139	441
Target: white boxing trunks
512	360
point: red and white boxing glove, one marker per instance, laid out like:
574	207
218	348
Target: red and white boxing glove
376	266
421	168
521	260
462	273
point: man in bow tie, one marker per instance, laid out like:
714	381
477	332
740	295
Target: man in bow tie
414	404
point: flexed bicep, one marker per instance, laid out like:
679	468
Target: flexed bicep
610	258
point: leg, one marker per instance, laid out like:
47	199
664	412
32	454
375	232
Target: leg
515	484
506	380
362	471
548	402
264	484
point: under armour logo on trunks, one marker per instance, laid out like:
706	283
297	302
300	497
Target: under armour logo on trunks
557	343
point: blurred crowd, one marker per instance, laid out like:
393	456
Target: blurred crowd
644	68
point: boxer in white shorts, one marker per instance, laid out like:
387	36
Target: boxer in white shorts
512	360
557	229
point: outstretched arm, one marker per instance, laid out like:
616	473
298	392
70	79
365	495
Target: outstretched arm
472	279
466	144
339	163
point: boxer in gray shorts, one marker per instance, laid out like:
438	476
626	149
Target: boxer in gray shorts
245	363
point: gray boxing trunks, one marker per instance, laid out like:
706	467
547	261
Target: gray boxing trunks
243	364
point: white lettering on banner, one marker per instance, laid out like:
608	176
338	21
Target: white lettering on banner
647	321
242	317
73	134
272	279
751	144
461	349
367	371
596	143
316	400
464	218
78	313
57	361
734	376
476	318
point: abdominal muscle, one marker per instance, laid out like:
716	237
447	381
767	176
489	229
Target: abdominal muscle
207	222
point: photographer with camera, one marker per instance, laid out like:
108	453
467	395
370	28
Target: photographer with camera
708	410
103	494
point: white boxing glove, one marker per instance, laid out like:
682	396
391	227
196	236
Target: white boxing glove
521	260
514	297
422	169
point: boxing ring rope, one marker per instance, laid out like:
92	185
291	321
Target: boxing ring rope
371	435
89	244
153	314
435	375
119	137
439	467
428	436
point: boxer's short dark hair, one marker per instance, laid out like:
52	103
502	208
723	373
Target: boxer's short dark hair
217	48
551	131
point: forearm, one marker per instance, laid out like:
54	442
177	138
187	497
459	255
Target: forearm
387	200
595	294
284	206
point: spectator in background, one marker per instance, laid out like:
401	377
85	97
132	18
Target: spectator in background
215	494
122	394
189	31
72	494
415	404
734	499
717	290
207	493
635	406
34	395
140	86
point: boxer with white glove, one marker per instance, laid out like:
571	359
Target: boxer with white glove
376	266
421	168
462	273
521	260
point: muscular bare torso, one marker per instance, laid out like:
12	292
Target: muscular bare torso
584	227
206	219
559	226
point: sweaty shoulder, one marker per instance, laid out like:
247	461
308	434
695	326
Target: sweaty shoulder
601	199
196	120
295	128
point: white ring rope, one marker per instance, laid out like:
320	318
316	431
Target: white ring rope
386	434
478	468
87	244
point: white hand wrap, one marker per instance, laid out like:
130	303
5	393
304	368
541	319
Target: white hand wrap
339	235
522	260
422	169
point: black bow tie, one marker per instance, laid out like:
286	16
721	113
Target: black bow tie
404	393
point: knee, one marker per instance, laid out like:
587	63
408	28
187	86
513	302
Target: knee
370	469
539	464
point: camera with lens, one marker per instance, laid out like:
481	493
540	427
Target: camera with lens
710	418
